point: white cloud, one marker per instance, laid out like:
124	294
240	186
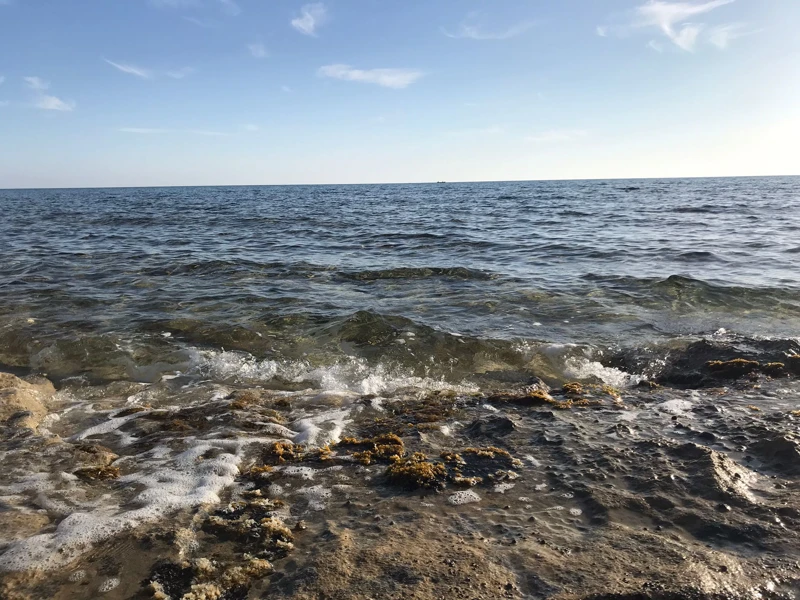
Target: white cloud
312	16
286	89
391	78
722	35
154	131
143	130
2	79
672	18
474	32
557	135
654	45
36	83
258	50
250	127
46	102
181	73
231	7
601	30
131	69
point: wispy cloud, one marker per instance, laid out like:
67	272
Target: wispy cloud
251	127
672	18
286	89
476	32
722	35
258	50
181	73
557	135
231	7
36	83
2	80
46	102
654	45
205	23
312	16
601	30
391	78
3	103
131	69
157	131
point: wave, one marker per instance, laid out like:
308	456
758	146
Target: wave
418	273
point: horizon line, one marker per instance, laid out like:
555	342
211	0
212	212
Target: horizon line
459	182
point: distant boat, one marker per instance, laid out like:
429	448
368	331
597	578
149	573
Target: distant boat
441	182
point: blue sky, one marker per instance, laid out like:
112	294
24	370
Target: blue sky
204	92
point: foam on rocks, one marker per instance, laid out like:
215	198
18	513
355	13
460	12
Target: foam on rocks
464	497
179	482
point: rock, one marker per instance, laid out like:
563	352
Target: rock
23	403
491	427
16	525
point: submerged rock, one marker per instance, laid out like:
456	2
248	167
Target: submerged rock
23	403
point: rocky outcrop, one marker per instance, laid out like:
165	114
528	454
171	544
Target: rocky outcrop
23	403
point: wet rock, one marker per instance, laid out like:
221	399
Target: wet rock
779	453
705	363
98	473
23	403
732	369
417	472
16	525
491	427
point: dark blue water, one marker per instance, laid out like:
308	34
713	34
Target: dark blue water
418	276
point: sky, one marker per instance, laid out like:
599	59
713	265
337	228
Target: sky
246	92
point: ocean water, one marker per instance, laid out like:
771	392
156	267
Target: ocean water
187	330
410	278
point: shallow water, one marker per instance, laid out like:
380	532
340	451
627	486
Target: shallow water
189	329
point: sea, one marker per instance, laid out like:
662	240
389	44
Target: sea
261	391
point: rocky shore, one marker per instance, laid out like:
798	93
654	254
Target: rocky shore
211	492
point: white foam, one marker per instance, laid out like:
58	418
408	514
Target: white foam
502	488
675	407
321	429
351	374
186	479
583	368
279	430
316	496
301	472
463	497
108	585
109	426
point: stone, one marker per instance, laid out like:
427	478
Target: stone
23	403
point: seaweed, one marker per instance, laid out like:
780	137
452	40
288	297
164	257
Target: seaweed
280	452
97	473
381	448
734	368
417	471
